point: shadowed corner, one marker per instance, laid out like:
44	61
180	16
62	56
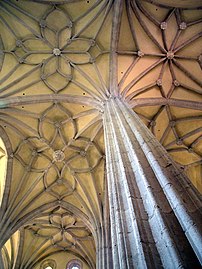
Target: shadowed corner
1	53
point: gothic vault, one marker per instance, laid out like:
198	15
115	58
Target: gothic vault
100	134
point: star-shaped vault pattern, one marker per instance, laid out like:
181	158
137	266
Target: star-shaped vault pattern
59	62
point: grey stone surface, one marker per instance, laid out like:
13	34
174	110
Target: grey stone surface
154	223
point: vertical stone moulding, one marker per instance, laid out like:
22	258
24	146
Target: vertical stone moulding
144	200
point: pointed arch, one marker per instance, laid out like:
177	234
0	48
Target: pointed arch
5	168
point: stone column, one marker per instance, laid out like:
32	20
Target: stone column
154	209
103	246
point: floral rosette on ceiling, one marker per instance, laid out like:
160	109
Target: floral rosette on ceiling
57	154
55	49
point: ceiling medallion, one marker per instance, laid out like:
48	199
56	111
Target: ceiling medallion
183	25
163	25
58	156
56	52
170	55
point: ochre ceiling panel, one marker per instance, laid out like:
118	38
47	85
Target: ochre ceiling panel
56	68
159	74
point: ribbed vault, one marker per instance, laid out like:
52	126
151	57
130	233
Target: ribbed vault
59	62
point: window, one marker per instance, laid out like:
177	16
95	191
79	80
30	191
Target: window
48	264
74	264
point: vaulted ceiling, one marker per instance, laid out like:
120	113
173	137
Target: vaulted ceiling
59	62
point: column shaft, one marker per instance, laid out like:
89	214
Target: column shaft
154	211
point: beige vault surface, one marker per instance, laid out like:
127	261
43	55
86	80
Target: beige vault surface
59	62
